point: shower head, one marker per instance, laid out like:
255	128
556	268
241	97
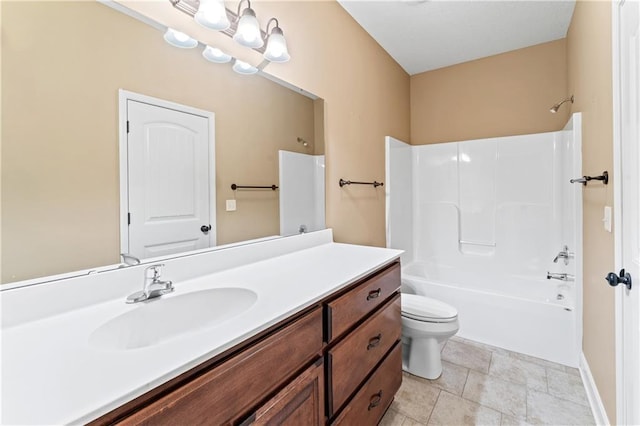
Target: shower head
555	108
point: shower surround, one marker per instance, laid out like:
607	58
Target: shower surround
481	222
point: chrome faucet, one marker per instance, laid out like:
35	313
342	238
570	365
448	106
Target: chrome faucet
564	254
560	276
153	287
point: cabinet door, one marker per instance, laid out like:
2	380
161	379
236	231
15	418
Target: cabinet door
300	403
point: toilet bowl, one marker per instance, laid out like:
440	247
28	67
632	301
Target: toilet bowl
426	325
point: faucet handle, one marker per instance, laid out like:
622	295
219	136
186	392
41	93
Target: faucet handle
157	271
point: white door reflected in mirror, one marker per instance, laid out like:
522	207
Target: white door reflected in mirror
168	181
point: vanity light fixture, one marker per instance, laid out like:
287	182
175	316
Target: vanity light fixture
213	15
276	44
244	68
248	32
213	54
179	39
243	26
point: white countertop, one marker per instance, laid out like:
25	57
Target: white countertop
52	375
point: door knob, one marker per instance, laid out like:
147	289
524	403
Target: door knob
205	228
624	278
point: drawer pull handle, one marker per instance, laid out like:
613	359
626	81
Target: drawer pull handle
374	341
375	400
373	294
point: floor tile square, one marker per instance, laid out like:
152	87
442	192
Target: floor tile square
512	421
452	379
515	370
466	355
539	361
416	398
543	408
567	386
453	410
506	397
392	418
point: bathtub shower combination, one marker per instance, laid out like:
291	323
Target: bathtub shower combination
484	223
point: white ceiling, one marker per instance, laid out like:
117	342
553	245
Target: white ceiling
425	35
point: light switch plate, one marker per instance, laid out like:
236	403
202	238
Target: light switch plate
231	205
606	218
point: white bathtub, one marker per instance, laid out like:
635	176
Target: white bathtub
521	314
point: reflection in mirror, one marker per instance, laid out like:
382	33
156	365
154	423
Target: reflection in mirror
63	64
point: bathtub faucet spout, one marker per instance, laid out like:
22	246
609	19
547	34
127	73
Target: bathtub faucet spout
560	276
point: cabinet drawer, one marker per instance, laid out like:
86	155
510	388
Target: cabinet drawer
229	390
300	403
372	400
348	309
353	358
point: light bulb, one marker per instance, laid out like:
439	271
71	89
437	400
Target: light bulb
212	14
242	67
248	32
276	50
179	39
216	55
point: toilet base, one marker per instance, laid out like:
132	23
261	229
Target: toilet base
427	367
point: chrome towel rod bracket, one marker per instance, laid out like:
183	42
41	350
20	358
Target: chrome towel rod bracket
349	182
604	177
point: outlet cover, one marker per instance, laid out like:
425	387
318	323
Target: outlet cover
231	205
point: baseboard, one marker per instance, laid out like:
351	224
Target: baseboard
597	408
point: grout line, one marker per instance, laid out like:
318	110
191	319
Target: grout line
434	406
466	379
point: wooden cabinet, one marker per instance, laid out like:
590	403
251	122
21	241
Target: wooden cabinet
352	359
300	403
362	347
337	362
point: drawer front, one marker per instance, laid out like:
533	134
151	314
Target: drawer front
300	403
351	307
375	396
229	390
353	358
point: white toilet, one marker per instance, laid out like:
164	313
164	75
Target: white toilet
426	325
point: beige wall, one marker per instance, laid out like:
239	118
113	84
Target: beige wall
367	98
63	63
501	95
590	79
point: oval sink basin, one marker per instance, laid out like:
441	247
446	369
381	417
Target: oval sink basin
159	320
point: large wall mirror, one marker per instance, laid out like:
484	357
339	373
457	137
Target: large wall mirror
63	66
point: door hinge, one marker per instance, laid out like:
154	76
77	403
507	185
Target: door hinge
128	218
127	126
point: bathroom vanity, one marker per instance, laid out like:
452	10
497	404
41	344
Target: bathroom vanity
319	345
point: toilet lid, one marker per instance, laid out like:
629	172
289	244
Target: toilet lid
425	308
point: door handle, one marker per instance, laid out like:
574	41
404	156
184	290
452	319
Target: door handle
205	228
623	278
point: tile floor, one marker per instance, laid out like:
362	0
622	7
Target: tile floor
485	385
